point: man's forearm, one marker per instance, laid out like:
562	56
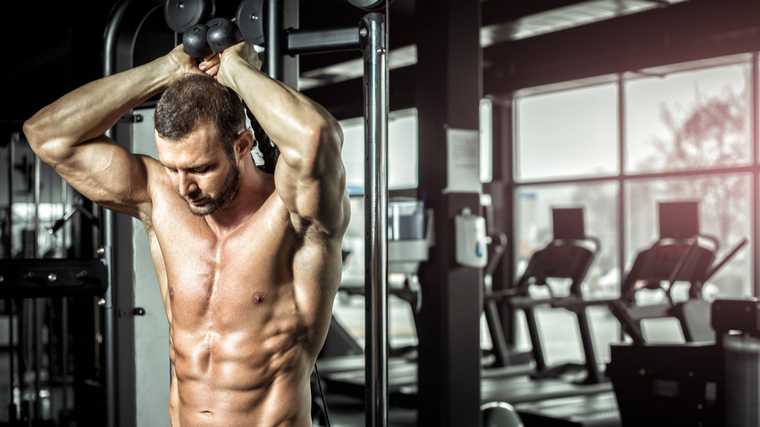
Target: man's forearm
288	117
92	109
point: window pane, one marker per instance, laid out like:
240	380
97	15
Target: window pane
599	200
349	310
567	134
402	151
724	212
690	120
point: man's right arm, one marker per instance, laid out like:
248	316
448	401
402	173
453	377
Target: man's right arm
69	134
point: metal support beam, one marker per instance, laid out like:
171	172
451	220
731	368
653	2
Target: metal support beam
376	217
109	337
118	335
320	41
273	52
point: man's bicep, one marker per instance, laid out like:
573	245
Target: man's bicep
106	173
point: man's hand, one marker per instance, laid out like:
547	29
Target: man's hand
183	64
243	52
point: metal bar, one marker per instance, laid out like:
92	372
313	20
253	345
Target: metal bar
621	182
755	224
36	334
593	375
65	357
317	41
653	175
274	43
376	217
12	410
37	320
110	44
36	195
9	223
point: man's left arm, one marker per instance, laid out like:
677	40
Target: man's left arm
309	176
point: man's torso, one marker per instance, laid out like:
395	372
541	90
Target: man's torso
248	312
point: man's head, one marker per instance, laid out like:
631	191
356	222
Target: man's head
199	124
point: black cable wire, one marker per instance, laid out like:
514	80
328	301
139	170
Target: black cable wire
324	402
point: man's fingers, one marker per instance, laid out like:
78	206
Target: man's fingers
212	70
210	64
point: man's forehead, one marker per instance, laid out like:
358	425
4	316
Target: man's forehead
193	150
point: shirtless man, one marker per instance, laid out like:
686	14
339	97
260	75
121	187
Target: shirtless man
248	263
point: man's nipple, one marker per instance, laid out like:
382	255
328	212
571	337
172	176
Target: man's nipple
258	298
171	294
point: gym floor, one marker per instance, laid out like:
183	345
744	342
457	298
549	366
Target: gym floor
350	412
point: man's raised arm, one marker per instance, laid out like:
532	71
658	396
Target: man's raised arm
309	176
69	134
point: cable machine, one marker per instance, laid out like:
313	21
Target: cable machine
264	22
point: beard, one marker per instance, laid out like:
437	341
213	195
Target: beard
223	198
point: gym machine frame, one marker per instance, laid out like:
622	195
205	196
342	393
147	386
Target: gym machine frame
371	37
33	278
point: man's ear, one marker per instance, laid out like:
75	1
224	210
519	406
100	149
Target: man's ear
244	144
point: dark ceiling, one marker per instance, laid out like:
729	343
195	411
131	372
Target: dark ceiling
58	46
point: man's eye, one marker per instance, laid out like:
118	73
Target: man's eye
200	170
170	170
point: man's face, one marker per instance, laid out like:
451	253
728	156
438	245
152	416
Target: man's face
200	170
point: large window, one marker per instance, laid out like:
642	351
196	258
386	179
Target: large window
667	134
686	134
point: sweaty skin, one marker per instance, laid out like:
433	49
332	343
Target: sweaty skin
248	289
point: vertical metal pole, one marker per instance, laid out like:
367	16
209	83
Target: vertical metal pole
755	105
273	38
11	166
373	33
13	413
35	303
110	43
621	178
65	312
36	195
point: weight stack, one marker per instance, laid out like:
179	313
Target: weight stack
742	364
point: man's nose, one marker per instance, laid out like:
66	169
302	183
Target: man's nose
187	184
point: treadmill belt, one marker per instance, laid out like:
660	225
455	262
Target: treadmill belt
524	389
597	410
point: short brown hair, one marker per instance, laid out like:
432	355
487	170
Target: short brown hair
200	100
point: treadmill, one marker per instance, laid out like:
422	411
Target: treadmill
547	396
681	254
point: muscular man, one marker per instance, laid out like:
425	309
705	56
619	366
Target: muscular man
248	263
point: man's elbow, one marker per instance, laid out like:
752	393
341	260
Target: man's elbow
32	133
38	139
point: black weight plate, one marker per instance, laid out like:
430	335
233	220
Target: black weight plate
249	18
183	14
369	4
